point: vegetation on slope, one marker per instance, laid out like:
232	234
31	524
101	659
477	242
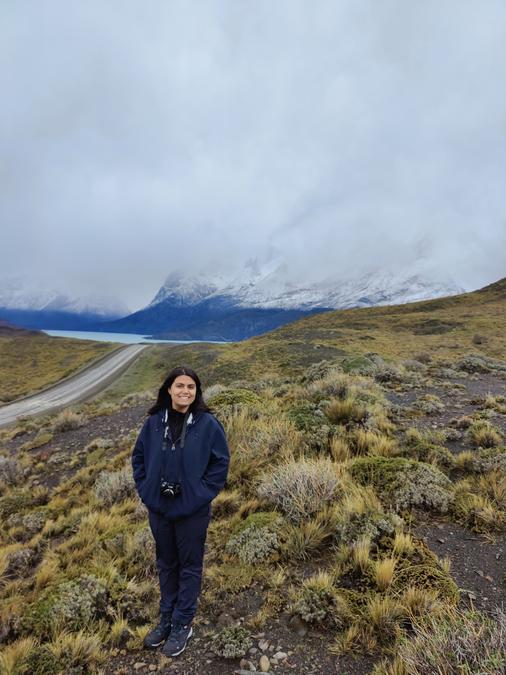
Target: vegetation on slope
442	330
326	481
30	361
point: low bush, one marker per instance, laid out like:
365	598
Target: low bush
257	538
231	642
73	604
310	419
20	499
320	370
429	404
11	472
478	363
318	602
361	516
114	486
483	434
231	400
18	563
301	487
404	483
68	420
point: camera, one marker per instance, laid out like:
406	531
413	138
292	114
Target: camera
170	490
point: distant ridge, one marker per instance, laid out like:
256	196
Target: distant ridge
227	308
9	330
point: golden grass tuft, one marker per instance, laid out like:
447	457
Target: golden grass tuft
403	544
47	571
77	649
464	460
418	602
339	449
13	657
384	616
346	411
361	554
384	572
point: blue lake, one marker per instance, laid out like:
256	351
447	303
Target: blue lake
126	338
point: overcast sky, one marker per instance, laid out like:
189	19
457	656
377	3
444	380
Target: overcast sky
137	137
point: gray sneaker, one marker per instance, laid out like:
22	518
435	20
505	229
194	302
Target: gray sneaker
176	643
159	633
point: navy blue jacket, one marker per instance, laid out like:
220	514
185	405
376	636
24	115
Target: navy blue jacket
202	464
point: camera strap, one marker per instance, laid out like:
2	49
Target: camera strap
188	418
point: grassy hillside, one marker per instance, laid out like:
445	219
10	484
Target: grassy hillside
30	361
442	330
362	528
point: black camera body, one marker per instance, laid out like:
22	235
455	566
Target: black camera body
170	490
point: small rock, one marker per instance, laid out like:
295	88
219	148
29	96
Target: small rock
263	644
253	650
271	648
139	665
243	664
298	625
224	620
153	667
280	656
264	664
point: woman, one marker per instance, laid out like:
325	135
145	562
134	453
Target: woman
180	463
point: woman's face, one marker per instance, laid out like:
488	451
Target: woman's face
182	392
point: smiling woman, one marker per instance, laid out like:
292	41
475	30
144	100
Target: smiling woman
180	463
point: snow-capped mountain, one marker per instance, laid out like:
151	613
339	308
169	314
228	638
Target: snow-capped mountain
263	297
21	293
272	289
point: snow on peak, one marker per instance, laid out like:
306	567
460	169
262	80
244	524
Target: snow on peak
270	286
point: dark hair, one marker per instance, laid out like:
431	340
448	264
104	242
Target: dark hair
164	399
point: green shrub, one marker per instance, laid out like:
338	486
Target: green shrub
320	370
404	483
41	661
300	488
478	363
256	539
27	525
429	404
73	604
20	500
361	365
319	603
231	643
234	399
489	459
369	523
310	419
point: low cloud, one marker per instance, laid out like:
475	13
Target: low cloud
337	136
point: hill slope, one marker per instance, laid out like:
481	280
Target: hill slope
444	329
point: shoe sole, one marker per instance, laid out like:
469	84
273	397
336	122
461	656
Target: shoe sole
152	645
184	646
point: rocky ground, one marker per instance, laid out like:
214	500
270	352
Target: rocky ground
284	646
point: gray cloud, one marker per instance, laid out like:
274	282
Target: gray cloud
136	137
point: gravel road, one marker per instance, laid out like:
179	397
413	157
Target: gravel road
76	388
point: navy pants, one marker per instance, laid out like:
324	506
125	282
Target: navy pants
179	559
